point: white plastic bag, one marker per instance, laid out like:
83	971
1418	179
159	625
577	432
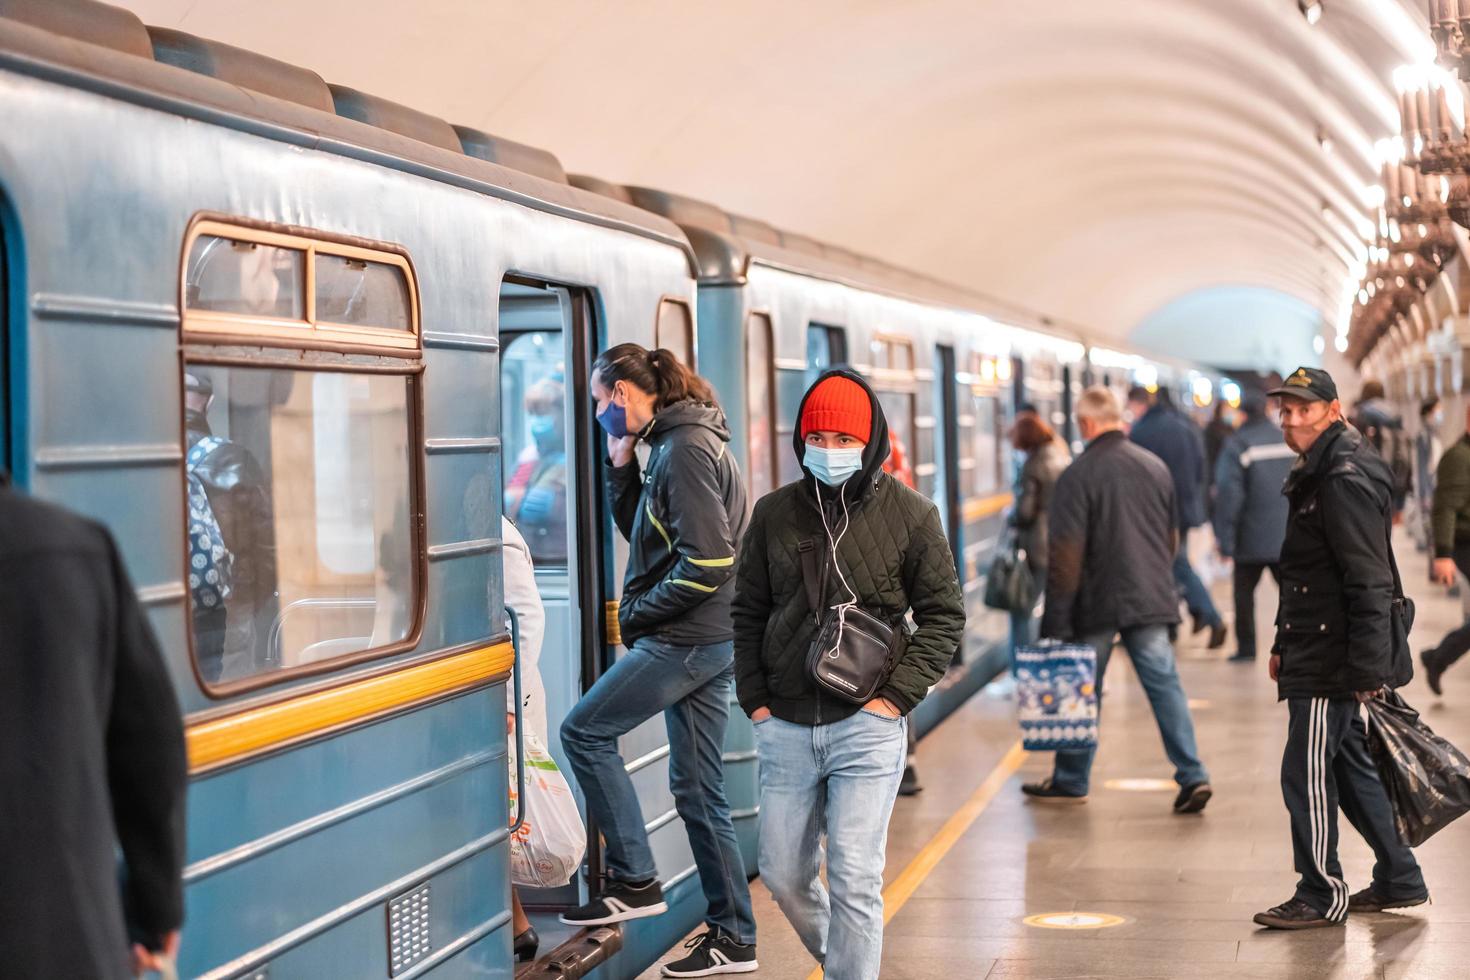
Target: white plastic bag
548	848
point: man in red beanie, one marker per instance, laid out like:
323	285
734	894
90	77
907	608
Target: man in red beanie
828	763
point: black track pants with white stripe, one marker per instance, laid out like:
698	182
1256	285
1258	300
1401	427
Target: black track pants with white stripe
1326	765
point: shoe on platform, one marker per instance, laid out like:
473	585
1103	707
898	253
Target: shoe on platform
1432	673
1192	798
1371	900
909	785
525	945
1295	914
1218	635
1197	624
712	953
1047	792
1242	658
618	902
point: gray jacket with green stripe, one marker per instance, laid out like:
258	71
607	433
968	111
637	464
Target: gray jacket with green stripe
683	518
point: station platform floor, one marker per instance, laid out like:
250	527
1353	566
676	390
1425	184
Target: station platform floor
969	861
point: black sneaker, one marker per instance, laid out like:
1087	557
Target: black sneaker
618	902
909	785
1046	792
1371	900
1192	799
713	952
1432	672
1218	636
1242	658
1197	623
1295	914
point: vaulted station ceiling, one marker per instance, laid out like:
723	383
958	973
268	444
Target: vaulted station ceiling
1195	168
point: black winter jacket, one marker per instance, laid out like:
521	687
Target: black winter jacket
1038	482
1250	513
683	519
93	752
1333	628
1112	542
893	554
1174	438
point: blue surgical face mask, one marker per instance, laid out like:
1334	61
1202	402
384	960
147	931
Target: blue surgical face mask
614	420
833	467
543	428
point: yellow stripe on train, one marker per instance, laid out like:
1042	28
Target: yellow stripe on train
978	507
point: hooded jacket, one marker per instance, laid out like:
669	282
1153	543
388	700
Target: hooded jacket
1333	626
683	518
1250	512
94	753
891	551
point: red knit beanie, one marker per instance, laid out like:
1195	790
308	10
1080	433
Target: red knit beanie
838	404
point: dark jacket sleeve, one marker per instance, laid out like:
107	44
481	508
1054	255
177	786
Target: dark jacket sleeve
1229	494
1451	496
750	612
1357	532
1066	547
699	530
938	604
1028	505
145	768
624	488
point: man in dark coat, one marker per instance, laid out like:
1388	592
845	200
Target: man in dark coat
1111	547
1170	435
1250	512
91	757
1335	647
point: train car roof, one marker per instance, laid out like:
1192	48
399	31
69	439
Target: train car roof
727	244
99	47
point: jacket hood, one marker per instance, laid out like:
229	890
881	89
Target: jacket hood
703	414
874	453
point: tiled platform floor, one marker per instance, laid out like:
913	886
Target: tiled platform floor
1187	887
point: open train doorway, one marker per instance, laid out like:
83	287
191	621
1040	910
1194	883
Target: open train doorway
553	495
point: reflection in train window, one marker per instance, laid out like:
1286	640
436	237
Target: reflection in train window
229	276
674	329
533	389
898	409
988	421
302	543
825	347
760	405
357	292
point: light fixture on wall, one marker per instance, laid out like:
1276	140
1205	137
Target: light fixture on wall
1311	10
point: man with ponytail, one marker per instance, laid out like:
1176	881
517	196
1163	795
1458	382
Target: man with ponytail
683	516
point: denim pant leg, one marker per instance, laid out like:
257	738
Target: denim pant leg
697	779
793	807
643	682
1363	800
864	764
1072	770
1023	632
1196	596
1153	660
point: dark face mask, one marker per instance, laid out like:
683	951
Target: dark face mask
614	420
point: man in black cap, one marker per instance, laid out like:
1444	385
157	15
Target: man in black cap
1335	647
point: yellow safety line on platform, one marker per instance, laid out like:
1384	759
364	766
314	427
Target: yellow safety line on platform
903	887
254	730
977	507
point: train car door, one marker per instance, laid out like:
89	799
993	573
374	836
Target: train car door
551	494
947	450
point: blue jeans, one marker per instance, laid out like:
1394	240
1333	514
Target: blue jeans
1153	660
1196	596
691	686
839	779
1023	632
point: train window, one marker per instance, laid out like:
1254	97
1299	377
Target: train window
302	537
533	389
898	408
825	347
893	354
285	289
359	292
760	404
674	329
227	275
988	421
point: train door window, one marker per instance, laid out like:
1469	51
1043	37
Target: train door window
825	347
674	329
534	428
760	404
898	409
302	476
946	442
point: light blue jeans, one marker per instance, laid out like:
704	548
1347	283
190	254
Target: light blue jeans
1153	660
839	780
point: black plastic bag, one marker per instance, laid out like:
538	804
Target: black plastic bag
1427	779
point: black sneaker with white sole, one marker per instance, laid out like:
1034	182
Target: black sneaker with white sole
618	902
712	953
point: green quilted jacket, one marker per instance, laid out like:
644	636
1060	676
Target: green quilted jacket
894	555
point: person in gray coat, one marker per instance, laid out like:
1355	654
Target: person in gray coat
1250	511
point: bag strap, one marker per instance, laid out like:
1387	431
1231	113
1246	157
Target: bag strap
814	581
1398	585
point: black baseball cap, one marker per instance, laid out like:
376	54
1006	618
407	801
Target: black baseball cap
1308	384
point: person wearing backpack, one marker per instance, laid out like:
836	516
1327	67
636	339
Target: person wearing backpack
830	764
1383	427
230	510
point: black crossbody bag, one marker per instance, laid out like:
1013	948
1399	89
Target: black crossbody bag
1401	621
854	653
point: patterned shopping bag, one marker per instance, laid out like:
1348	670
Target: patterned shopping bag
1056	685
